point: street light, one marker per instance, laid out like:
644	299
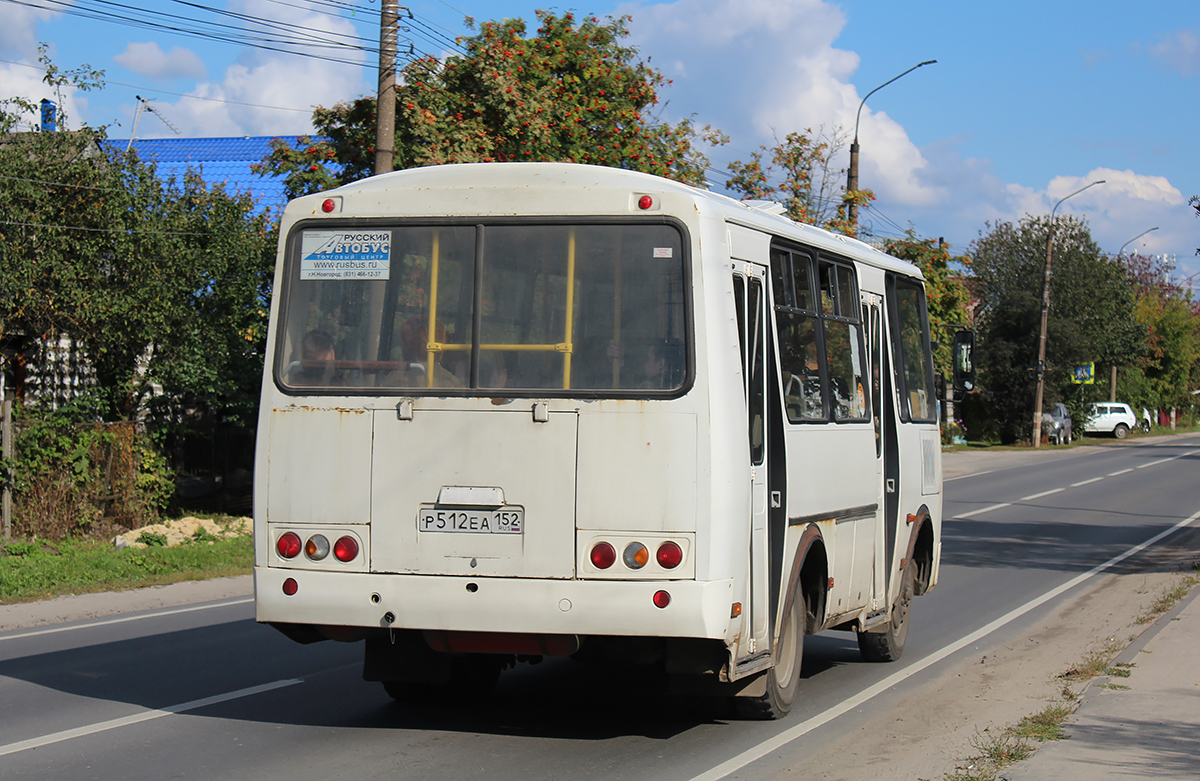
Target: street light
1041	364
1112	385
1135	238
852	174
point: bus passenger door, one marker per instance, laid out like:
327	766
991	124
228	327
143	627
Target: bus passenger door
750	294
887	473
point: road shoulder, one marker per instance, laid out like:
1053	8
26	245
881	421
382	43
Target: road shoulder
84	606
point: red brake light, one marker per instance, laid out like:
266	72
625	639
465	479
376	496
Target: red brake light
288	545
345	549
669	555
603	555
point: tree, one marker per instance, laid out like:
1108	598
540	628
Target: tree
800	175
1163	377
570	93
162	284
1194	202
1091	315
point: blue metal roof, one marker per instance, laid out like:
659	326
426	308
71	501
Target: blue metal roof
218	160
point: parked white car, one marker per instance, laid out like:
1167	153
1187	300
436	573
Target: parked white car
1110	418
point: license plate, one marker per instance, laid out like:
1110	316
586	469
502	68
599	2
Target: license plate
503	520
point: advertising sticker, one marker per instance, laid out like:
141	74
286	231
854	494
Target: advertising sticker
345	254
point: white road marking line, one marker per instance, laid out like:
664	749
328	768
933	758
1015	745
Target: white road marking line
972	474
1039	496
983	510
137	718
123	619
1172	458
787	736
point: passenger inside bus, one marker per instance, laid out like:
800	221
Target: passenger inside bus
663	366
316	364
414	345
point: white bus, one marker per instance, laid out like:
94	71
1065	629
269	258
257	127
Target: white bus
529	409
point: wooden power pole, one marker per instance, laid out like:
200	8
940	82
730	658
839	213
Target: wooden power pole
385	106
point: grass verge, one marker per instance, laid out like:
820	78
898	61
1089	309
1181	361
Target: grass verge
33	570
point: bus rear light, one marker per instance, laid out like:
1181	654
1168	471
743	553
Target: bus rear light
290	587
645	202
345	549
635	555
661	599
669	556
317	547
603	555
288	545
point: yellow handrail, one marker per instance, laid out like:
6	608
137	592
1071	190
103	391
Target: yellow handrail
431	334
570	309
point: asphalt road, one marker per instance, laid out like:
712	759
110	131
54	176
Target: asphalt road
206	693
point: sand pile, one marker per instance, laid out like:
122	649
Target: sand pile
181	530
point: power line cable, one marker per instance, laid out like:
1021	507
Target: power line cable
250	39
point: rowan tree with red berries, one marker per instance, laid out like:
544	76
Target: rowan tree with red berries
570	93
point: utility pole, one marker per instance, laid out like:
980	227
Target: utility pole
852	172
385	105
1112	386
1036	437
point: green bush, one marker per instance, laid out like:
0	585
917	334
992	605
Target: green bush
70	472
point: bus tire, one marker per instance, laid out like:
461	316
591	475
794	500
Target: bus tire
888	645
784	678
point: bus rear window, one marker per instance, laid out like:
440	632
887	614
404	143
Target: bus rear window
484	309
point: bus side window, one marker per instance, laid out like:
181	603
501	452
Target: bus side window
910	341
844	355
799	337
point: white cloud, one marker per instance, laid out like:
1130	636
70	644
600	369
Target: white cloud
775	66
248	98
18	28
24	81
761	68
1178	51
147	59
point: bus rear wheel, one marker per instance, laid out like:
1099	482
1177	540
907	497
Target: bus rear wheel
888	645
784	678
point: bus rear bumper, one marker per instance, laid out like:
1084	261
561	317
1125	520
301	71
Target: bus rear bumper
525	605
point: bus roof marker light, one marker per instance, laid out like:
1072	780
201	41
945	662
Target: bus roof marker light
645	202
330	205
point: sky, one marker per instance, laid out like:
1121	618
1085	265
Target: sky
1027	101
